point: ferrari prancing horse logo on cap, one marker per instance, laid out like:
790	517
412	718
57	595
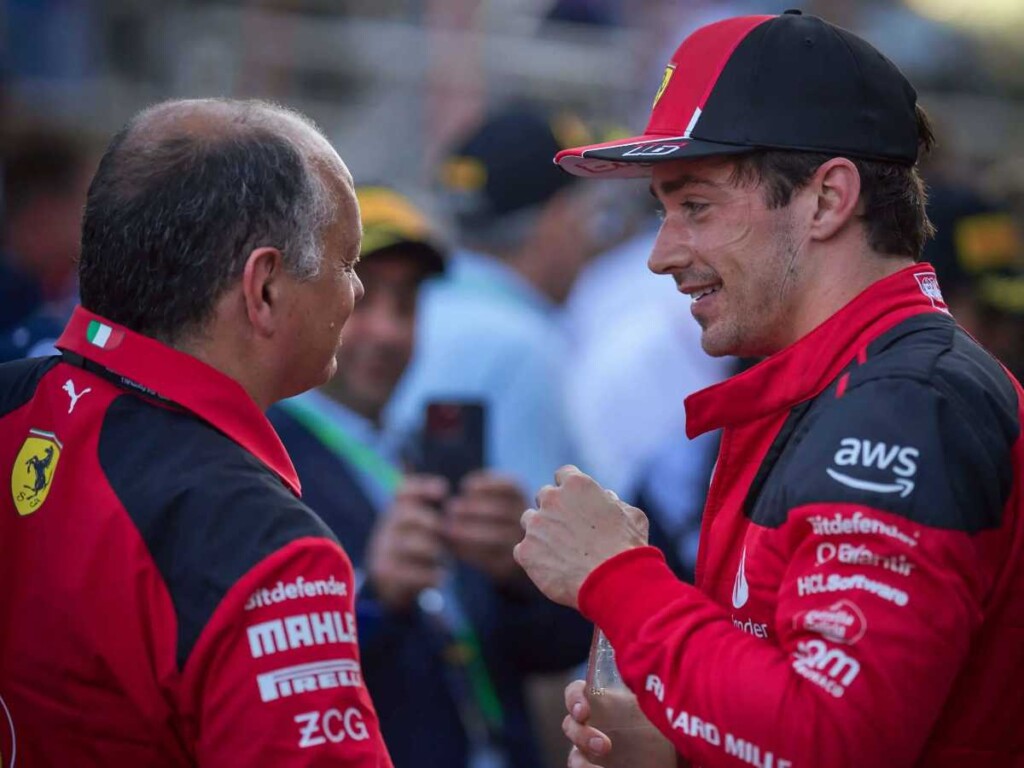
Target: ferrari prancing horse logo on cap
669	71
32	473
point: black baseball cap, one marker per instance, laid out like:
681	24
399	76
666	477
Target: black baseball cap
504	164
390	220
791	82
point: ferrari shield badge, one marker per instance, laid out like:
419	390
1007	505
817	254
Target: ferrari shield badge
32	473
669	71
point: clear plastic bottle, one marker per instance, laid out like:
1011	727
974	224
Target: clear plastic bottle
615	712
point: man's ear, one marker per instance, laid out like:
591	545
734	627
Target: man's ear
836	184
262	283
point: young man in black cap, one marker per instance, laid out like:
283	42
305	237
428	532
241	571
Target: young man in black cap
860	587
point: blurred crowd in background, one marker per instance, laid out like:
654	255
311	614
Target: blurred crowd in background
537	301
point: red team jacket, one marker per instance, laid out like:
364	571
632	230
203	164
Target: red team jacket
165	598
859	594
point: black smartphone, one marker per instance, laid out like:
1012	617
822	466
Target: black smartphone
452	441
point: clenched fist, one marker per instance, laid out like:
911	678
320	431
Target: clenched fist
576	527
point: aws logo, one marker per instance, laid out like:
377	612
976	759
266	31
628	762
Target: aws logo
32	473
900	460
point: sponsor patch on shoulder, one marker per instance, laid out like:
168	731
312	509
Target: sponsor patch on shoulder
929	285
874	466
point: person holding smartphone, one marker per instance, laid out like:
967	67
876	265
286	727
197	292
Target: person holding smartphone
448	621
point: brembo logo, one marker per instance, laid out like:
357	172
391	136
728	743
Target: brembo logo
866	454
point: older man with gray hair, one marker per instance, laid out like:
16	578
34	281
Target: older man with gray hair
168	600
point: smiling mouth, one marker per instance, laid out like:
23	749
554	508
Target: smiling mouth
702	292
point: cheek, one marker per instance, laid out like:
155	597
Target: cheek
341	299
735	229
750	259
729	248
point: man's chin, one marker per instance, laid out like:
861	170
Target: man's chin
714	346
297	387
326	374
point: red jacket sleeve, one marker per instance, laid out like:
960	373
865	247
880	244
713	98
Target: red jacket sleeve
275	678
832	690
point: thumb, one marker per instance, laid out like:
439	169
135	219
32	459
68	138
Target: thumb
564	473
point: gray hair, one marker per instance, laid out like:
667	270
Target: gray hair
314	208
184	193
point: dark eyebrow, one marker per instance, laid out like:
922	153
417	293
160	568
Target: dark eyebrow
674	185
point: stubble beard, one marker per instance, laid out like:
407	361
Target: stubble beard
753	331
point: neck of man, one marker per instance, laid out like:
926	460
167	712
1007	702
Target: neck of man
838	281
235	361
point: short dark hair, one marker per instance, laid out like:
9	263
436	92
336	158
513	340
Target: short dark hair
172	215
893	194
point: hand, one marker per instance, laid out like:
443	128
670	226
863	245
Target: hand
579	525
405	551
629	739
587	743
482	524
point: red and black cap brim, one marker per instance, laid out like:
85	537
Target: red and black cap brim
788	82
632	158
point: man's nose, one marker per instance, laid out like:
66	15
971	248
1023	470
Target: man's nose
670	252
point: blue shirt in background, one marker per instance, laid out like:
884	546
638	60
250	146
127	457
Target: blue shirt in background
486	334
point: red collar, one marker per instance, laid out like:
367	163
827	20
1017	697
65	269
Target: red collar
804	369
190	383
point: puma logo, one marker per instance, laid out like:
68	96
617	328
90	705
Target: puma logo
69	387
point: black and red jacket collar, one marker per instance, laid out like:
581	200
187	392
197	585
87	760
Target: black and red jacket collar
804	369
183	380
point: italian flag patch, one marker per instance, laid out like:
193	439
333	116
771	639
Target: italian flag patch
102	335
